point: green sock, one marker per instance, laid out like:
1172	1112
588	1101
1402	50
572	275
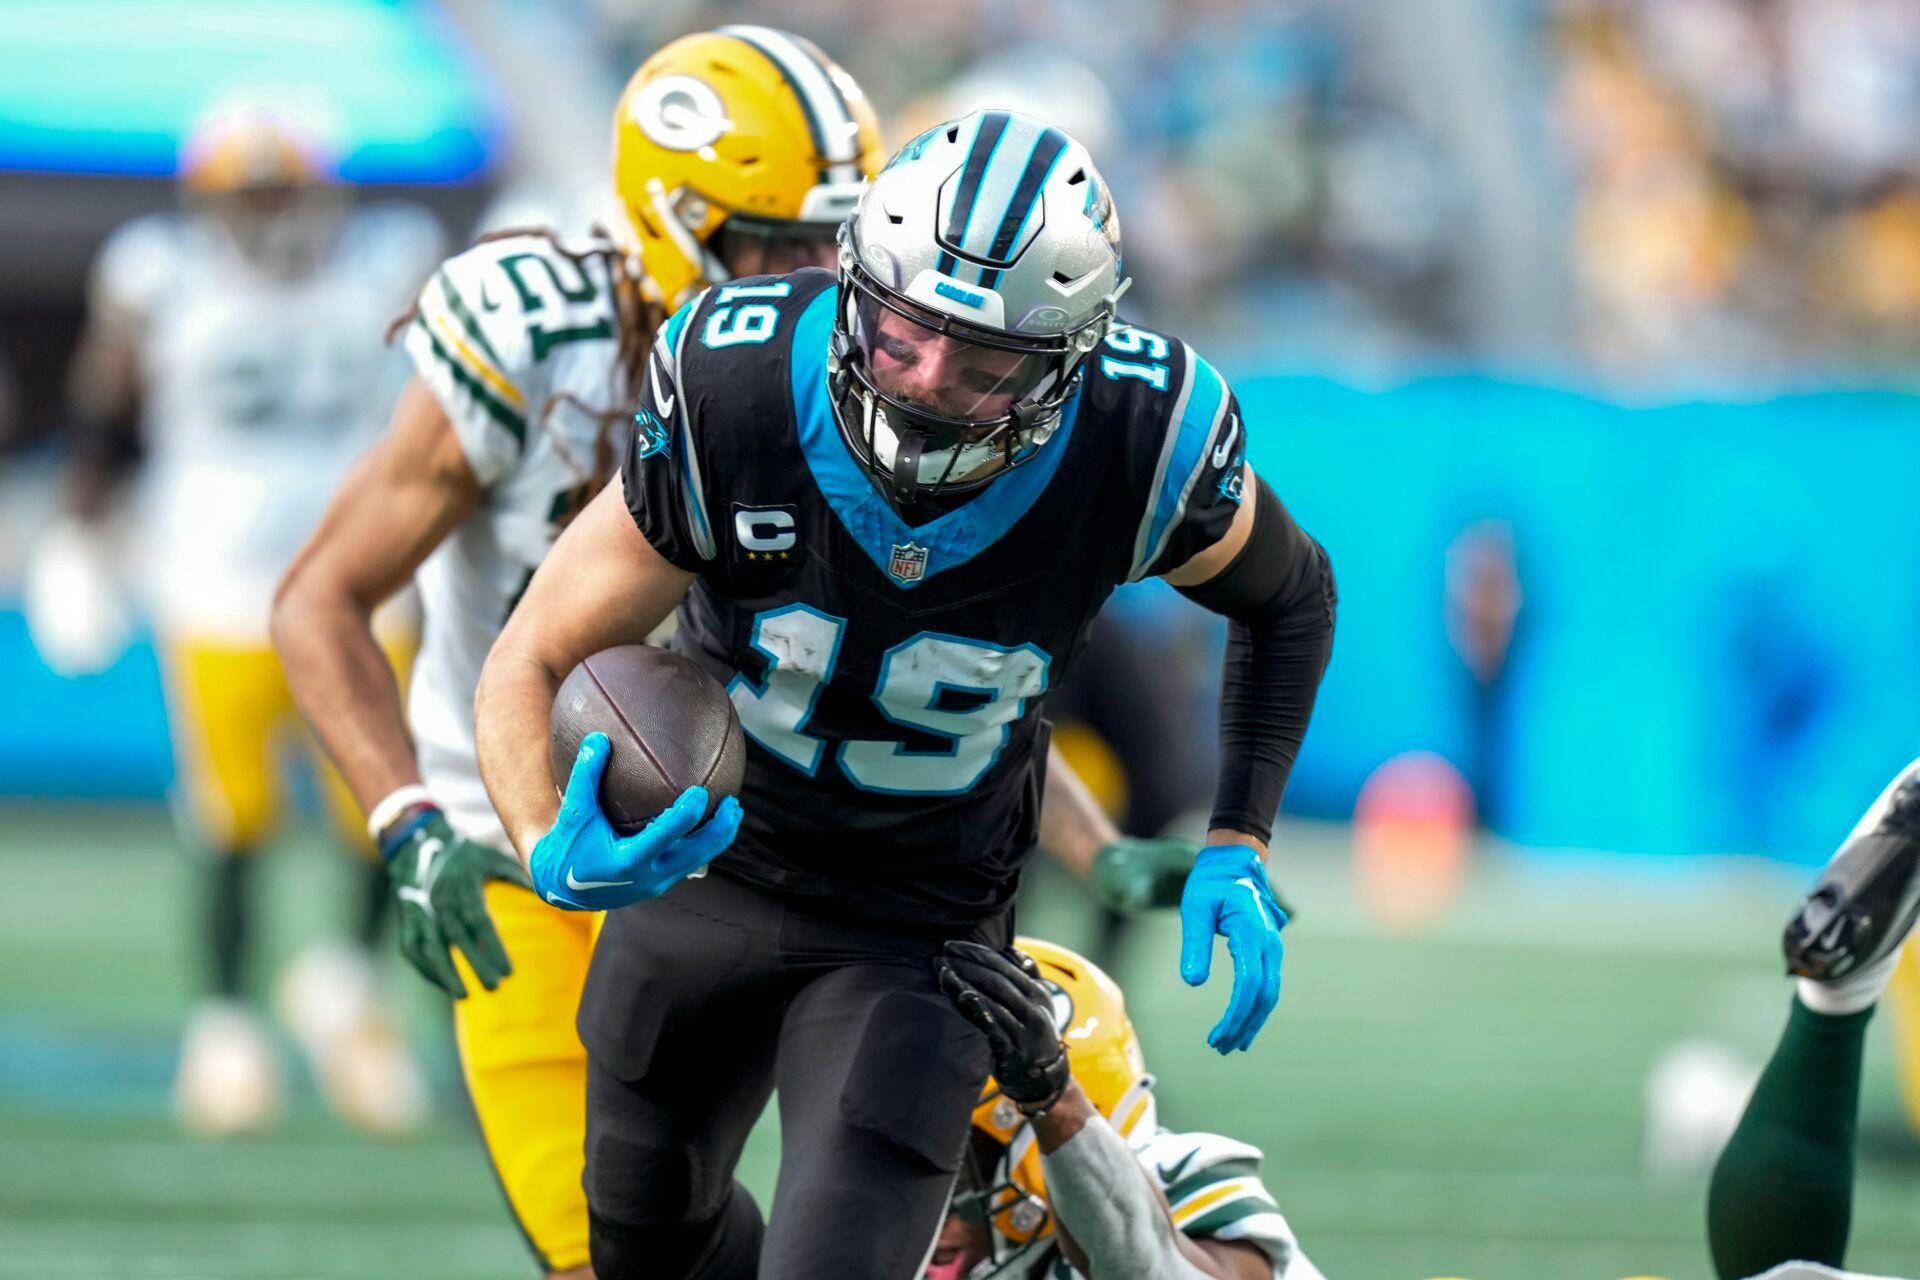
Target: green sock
1783	1188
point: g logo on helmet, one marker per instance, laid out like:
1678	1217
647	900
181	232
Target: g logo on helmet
680	113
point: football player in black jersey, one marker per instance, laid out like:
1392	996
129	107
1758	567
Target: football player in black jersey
887	507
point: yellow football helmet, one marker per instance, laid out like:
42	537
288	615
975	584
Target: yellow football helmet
1105	1056
266	182
746	128
239	148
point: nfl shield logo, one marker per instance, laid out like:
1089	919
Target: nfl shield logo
908	563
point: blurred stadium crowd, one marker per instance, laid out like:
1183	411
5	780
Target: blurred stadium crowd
1691	193
1728	182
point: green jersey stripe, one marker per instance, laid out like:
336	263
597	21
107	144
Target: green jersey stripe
497	409
1224	1215
1213	1174
461	312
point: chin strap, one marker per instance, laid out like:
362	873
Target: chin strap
905	470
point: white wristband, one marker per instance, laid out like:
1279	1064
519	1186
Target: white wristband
387	810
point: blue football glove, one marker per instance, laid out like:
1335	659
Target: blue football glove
1227	892
583	864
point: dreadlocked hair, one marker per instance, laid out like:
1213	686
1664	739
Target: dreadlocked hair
637	320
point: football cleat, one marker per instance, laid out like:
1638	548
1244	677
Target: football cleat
330	1004
228	1083
1867	899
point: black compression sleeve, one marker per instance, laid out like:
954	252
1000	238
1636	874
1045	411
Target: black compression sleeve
1278	594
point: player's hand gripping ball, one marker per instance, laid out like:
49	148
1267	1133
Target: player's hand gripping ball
653	756
1228	893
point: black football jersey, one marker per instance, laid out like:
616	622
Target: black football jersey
890	676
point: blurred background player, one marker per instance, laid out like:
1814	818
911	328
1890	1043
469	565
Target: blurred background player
1783	1188
235	344
1068	1173
526	352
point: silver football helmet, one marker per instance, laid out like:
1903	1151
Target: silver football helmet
980	269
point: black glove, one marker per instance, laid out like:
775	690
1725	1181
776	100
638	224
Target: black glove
1000	993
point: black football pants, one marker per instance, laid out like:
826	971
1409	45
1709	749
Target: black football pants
702	1002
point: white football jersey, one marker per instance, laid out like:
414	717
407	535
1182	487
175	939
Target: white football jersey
518	338
258	392
1814	1271
1213	1186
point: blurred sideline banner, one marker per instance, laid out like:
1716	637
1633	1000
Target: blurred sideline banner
114	86
1715	649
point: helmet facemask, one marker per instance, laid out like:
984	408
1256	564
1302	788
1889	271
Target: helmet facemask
932	405
986	1198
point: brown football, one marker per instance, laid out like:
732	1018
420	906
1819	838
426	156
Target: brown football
670	724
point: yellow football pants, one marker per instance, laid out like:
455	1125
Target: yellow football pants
527	1071
1903	1009
230	711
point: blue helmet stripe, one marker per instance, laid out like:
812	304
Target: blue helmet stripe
1047	149
993	126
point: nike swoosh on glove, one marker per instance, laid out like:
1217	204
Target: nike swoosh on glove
1227	893
440	884
583	864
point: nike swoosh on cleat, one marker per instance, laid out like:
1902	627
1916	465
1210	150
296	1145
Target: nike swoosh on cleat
1225	450
486	299
593	884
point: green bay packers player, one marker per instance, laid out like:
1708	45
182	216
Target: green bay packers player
734	151
1782	1189
236	339
1068	1173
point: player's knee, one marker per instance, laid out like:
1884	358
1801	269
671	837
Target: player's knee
645	1183
725	1246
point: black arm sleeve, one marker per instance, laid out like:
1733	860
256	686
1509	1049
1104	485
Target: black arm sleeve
1279	595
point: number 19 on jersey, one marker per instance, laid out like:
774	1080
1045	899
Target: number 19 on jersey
966	692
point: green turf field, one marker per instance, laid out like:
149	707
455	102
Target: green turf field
1463	1104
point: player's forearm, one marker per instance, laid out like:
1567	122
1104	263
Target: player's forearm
1278	594
1105	1204
602	585
1073	827
511	709
344	686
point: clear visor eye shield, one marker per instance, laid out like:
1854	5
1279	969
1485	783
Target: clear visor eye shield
942	398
